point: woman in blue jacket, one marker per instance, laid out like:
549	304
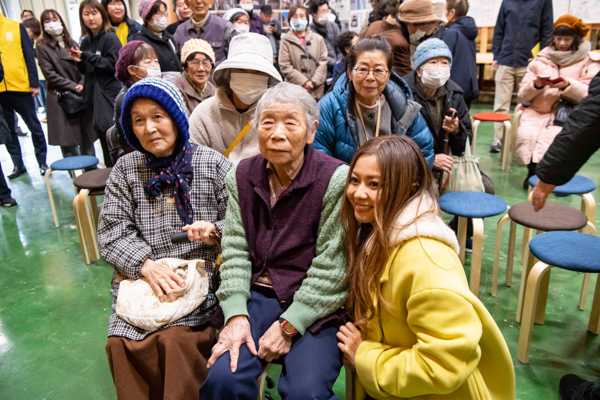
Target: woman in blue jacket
367	101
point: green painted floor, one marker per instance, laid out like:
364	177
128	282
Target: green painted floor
54	309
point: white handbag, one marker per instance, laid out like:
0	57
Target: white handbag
465	175
139	306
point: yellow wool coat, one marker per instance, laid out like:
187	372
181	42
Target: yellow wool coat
440	343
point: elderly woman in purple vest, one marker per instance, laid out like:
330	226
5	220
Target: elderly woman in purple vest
284	264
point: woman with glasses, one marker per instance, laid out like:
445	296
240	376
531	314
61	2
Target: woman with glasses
367	101
154	13
303	54
198	60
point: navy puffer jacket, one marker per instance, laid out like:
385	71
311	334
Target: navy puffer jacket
337	134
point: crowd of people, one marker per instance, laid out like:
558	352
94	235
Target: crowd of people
303	165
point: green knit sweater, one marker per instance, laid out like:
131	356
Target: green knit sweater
322	292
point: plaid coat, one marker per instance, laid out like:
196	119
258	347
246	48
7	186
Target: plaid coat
134	227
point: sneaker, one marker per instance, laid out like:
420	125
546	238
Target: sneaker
8	202
496	146
20	132
572	387
43	168
469	245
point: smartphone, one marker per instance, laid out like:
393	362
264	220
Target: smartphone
273	23
557	80
545	79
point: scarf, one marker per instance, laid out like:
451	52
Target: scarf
198	25
569	57
194	86
176	170
321	29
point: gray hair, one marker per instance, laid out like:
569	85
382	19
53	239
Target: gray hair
286	92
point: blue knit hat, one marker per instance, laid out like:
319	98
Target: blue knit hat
429	49
167	96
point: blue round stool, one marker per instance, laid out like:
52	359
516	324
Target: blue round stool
580	186
572	251
77	163
475	205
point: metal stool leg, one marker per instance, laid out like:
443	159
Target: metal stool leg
476	256
533	287
501	223
77	212
47	177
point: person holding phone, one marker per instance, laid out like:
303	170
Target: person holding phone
442	102
557	79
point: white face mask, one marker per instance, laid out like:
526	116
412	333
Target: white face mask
418	35
322	19
160	23
151	72
247	7
241	28
435	77
248	87
53	28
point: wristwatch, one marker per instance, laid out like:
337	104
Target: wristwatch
287	328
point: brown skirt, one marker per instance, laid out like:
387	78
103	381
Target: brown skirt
169	364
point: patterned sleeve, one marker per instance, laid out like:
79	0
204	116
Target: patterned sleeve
120	241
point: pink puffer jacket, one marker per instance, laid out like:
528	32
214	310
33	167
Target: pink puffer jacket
536	131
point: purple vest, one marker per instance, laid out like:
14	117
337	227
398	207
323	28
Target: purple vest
212	32
284	239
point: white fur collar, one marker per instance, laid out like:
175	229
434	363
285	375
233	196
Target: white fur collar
412	223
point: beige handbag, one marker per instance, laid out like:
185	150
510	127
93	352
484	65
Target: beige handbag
139	306
465	175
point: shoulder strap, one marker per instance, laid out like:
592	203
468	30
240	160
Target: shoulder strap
238	139
307	53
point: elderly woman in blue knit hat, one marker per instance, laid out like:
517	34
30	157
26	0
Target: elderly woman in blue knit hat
442	101
166	186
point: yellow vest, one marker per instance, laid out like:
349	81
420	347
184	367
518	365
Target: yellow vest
16	78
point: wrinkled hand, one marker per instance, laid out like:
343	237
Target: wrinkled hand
78	88
75	55
274	343
162	280
494	66
450	125
350	338
34	91
443	162
540	193
308	85
200	231
235	333
563	84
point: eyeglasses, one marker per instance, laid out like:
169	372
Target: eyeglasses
162	14
378	73
197	63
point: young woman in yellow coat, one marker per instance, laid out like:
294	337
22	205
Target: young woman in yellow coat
424	334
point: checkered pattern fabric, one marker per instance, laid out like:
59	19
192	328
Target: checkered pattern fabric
134	227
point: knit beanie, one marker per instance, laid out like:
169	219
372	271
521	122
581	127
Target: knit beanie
165	94
574	23
144	7
234	12
197	46
429	49
125	56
